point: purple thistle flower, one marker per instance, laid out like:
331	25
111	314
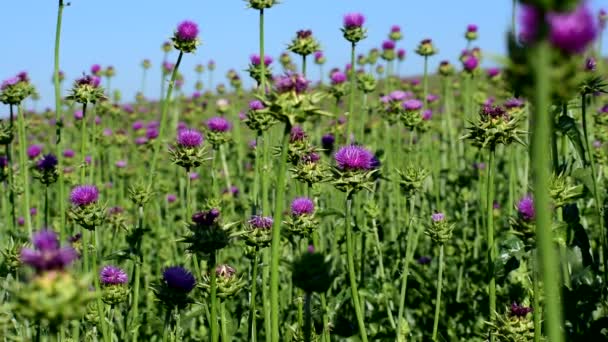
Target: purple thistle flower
189	138
121	164
572	32
397	95
438	217
319	56
219	124
353	157
520	310
234	191
424	260
388	45
493	72
427	114
252	144
3	161
69	153
261	222
187	31
401	54
84	195
353	20
327	141
256	105
112	275
337	77
33	211
47	254
525	208
193	175
311	158
412	104
206	218
171	198
152	133
9	82
47	163
297	134
470	63
256	60
590	64
95	69
597	144
179	279
513	103
302	206
291	82
141	140
21	221
34	151
225	271
494	112
472	28
395	29
137	125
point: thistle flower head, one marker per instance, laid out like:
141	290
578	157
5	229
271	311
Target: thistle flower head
572	32
179	279
520	310
355	158
470	63
219	124
388	45
302	206
225	271
471	28
47	254
438	217
297	134
337	77
47	163
353	20
291	82
261	222
525	208
189	138
412	105
327	141
34	151
255	60
187	31
84	195
112	275
206	218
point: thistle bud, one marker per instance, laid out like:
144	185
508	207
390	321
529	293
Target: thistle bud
471	32
207	234
87	90
258	231
426	48
352	28
304	43
440	231
412	179
261	4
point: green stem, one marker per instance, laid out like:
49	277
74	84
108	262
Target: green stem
381	271
83	143
490	228
536	306
167	327
308	319
224	322
95	269
213	323
352	85
438	300
58	121
24	170
137	265
163	118
350	255
276	234
541	177
262	64
596	194
225	168
425	81
253	336
304	66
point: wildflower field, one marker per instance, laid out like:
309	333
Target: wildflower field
466	204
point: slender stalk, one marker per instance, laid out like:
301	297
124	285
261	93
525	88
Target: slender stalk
163	119
596	194
213	323
548	261
225	168
137	266
9	161
353	86
381	271
262	64
536	306
58	120
308	318
167	325
425	81
438	300
276	234
83	143
188	195
253	336
304	66
350	255
513	14
46	206
95	269
490	228
24	169
224	322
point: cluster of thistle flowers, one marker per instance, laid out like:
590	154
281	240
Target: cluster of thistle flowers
401	105
52	295
16	89
496	125
255	67
85	208
109	72
471	59
570	30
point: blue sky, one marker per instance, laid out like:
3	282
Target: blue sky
124	32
